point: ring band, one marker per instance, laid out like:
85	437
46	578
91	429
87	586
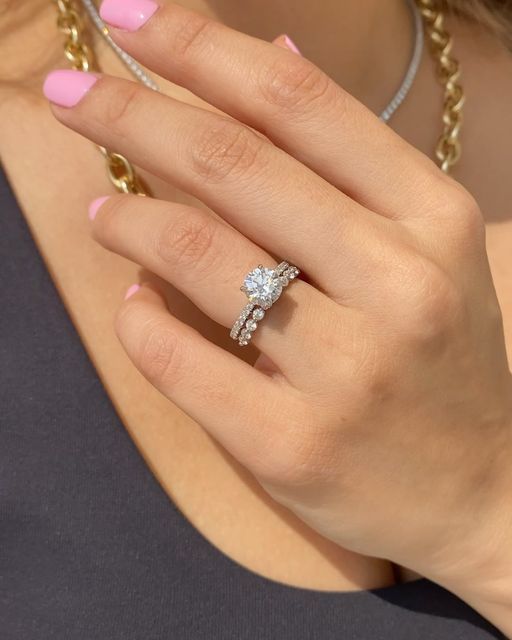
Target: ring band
262	286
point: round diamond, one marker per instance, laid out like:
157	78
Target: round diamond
258	314
250	325
262	286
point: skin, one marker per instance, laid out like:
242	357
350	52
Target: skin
407	219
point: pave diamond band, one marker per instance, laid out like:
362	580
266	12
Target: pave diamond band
262	286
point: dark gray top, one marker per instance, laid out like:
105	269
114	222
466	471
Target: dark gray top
91	548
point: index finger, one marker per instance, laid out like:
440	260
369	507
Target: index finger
283	95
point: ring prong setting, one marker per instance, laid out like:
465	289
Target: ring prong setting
262	286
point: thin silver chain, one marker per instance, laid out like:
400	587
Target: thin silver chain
126	59
385	116
413	67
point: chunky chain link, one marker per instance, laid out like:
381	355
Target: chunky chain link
448	149
120	171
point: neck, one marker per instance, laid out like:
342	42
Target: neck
28	41
365	49
364	46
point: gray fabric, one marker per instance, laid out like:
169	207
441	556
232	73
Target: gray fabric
92	548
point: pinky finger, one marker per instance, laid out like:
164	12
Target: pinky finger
234	402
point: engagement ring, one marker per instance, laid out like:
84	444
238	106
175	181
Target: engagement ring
262	286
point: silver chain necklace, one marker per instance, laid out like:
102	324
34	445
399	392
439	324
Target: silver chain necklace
408	79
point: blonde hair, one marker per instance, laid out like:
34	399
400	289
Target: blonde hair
495	15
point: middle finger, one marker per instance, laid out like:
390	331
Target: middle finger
267	194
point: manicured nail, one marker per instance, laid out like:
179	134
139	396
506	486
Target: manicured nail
95	205
67	87
129	15
133	289
291	45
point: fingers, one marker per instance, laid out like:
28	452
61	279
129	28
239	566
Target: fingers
208	260
288	98
221	392
261	190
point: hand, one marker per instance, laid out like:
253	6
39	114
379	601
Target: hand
380	411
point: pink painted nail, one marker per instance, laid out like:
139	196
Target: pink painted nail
129	15
291	45
66	87
95	205
133	289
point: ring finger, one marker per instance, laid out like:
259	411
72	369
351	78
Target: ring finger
206	259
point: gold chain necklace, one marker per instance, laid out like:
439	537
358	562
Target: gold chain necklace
448	149
120	171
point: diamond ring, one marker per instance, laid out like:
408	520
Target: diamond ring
262	286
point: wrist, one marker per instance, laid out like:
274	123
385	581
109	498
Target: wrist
481	571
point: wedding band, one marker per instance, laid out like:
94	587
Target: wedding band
262	286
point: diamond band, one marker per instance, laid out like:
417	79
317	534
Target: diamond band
262	286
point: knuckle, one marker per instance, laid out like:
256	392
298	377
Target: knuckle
294	83
119	109
187	242
374	371
226	150
297	454
434	307
466	215
192	35
492	312
158	355
281	467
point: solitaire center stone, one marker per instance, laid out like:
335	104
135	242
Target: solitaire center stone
262	286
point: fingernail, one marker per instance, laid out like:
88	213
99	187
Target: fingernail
129	15
95	205
291	45
133	289
67	87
